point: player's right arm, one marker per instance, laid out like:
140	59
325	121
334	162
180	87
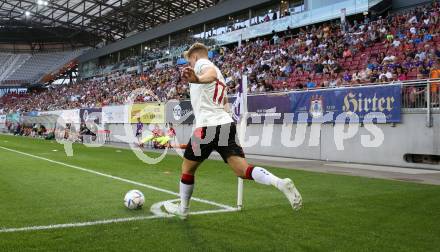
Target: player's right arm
207	75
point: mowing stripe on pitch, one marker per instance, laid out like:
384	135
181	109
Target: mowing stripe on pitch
103	222
118	178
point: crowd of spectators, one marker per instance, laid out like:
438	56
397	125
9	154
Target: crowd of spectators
398	47
110	90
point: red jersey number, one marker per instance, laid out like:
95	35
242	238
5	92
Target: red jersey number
219	89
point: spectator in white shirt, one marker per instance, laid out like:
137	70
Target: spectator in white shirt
396	43
276	39
412	20
390	58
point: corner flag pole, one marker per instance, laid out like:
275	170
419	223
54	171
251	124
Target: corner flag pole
242	130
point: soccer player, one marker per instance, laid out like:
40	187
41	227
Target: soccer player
164	141
139	129
215	130
155	133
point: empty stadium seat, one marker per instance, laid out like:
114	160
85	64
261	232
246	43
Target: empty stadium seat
32	67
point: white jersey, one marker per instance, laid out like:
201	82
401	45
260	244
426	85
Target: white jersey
207	100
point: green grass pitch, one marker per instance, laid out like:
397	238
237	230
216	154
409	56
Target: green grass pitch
340	213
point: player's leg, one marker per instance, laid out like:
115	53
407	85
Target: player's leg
242	169
189	168
139	139
262	176
186	188
196	152
233	154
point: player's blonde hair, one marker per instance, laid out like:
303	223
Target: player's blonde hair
196	47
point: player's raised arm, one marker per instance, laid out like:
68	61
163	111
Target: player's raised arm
207	75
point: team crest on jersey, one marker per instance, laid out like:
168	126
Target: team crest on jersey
316	106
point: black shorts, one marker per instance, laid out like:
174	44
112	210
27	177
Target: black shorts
221	138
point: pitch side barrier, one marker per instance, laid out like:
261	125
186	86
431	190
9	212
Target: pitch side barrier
365	108
325	104
388	98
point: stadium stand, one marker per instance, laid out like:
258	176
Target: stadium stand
32	67
150	57
11	63
401	46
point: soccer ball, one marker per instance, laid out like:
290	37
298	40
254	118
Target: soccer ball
134	199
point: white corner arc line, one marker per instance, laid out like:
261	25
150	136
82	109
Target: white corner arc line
119	178
157	211
103	222
156	208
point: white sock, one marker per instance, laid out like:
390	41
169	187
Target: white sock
263	176
185	195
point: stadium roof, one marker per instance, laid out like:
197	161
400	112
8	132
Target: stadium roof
107	19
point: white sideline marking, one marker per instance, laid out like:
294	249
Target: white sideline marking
103	222
118	178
